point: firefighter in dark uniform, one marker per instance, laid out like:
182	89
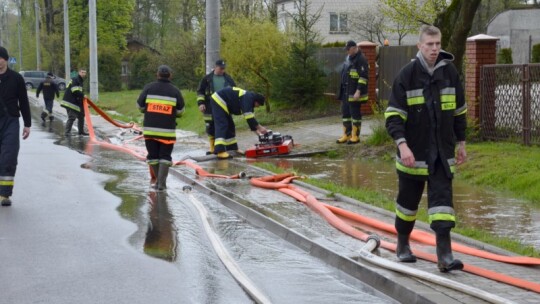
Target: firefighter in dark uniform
233	101
49	88
13	104
353	93
426	115
212	82
73	102
161	102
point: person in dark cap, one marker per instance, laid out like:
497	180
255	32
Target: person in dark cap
73	102
214	81
352	93
49	88
233	101
13	104
161	102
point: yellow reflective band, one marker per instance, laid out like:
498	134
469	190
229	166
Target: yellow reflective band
228	142
389	114
161	101
220	102
407	218
171	134
448	106
412	171
249	115
362	80
6	183
70	105
411	101
241	92
353	74
442	217
200	98
448	98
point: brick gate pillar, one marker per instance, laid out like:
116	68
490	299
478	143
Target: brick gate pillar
369	49
479	50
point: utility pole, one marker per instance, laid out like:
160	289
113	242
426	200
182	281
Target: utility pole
93	51
38	57
67	50
2	21
212	33
20	35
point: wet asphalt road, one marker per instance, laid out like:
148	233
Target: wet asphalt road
63	242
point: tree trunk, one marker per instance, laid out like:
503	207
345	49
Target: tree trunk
456	23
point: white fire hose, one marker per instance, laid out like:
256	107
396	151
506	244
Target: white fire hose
373	243
223	254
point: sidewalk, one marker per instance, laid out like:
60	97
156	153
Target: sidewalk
63	241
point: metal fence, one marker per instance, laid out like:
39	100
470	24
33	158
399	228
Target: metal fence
391	60
510	103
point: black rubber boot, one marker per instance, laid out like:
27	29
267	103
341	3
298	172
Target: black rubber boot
153	181
162	177
445	259
43	116
69	124
5	201
403	249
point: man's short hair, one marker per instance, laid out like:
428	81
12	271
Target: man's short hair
429	30
82	69
164	71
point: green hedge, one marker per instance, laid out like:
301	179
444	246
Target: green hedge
505	56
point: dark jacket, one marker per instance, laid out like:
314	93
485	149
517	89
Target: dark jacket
354	76
161	102
429	113
74	94
206	89
49	88
236	101
13	97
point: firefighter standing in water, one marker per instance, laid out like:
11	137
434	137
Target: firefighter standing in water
233	101
161	102
49	88
426	115
73	101
13	104
353	93
212	82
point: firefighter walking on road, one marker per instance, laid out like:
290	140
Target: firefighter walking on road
353	93
212	82
233	101
50	89
73	103
426	115
13	104
161	102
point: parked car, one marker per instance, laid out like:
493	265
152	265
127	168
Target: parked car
34	78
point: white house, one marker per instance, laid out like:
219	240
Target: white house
335	19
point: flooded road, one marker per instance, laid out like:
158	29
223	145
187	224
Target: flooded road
476	207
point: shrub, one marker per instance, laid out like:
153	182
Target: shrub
535	57
504	56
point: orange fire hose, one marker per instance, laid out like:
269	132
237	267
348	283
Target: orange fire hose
313	203
281	182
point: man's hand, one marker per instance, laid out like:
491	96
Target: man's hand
461	153
407	157
202	108
356	95
25	132
261	130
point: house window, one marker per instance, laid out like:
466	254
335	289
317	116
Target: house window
125	68
338	23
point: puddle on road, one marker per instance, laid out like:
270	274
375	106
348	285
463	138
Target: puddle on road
475	206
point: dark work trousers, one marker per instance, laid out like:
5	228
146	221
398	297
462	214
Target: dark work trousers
158	152
49	105
351	114
225	130
208	120
439	193
72	115
9	151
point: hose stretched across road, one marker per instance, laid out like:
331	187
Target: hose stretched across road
282	183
